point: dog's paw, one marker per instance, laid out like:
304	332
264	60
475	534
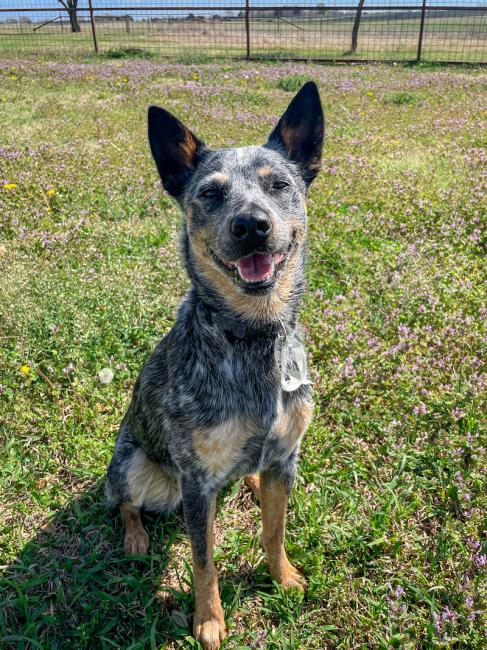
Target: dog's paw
209	630
289	577
136	542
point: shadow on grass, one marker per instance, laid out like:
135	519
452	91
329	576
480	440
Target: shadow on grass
72	587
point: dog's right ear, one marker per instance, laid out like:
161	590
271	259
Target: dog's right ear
175	149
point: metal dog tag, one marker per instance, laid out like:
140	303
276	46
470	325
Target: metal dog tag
291	358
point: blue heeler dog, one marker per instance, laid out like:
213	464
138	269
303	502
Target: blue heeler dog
225	394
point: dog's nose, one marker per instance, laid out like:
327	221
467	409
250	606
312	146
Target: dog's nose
256	226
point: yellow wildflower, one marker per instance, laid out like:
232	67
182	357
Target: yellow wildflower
25	370
10	186
51	192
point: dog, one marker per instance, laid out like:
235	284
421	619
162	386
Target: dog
225	393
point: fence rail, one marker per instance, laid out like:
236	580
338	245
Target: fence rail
351	31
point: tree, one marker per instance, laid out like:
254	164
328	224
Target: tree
71	7
356	26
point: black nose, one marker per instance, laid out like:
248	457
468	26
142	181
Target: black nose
254	226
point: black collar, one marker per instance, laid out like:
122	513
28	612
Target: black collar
237	328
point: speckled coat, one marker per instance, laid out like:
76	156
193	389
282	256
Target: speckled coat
208	406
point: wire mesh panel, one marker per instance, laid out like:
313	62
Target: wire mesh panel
185	29
37	28
455	35
172	32
335	34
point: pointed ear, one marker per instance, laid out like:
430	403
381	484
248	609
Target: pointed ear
175	149
300	132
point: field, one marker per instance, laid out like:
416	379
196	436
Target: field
388	518
447	37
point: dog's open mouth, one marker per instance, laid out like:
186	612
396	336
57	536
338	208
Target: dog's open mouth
256	271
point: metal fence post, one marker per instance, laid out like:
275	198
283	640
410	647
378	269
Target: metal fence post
93	28
421	31
247	26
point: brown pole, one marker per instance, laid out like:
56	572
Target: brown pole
247	26
421	30
93	28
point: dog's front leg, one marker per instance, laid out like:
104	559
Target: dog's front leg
275	486
199	513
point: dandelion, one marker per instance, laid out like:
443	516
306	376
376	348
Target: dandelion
105	375
25	370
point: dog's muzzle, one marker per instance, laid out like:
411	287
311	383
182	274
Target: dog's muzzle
257	271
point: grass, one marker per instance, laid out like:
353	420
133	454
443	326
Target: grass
388	516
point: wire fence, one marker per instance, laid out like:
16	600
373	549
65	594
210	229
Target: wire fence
347	31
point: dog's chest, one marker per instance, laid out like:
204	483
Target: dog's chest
227	382
258	425
241	445
236	401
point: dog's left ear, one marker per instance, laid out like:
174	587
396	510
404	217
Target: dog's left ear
300	132
175	149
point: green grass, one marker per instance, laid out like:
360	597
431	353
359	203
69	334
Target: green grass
388	516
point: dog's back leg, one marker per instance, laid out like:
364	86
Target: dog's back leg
136	540
135	482
252	481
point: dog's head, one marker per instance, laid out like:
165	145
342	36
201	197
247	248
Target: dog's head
245	207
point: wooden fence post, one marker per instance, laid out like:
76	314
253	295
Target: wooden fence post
421	31
93	28
247	26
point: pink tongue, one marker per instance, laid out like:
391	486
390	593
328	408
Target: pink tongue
255	267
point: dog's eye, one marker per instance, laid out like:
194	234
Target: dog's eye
279	185
210	193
